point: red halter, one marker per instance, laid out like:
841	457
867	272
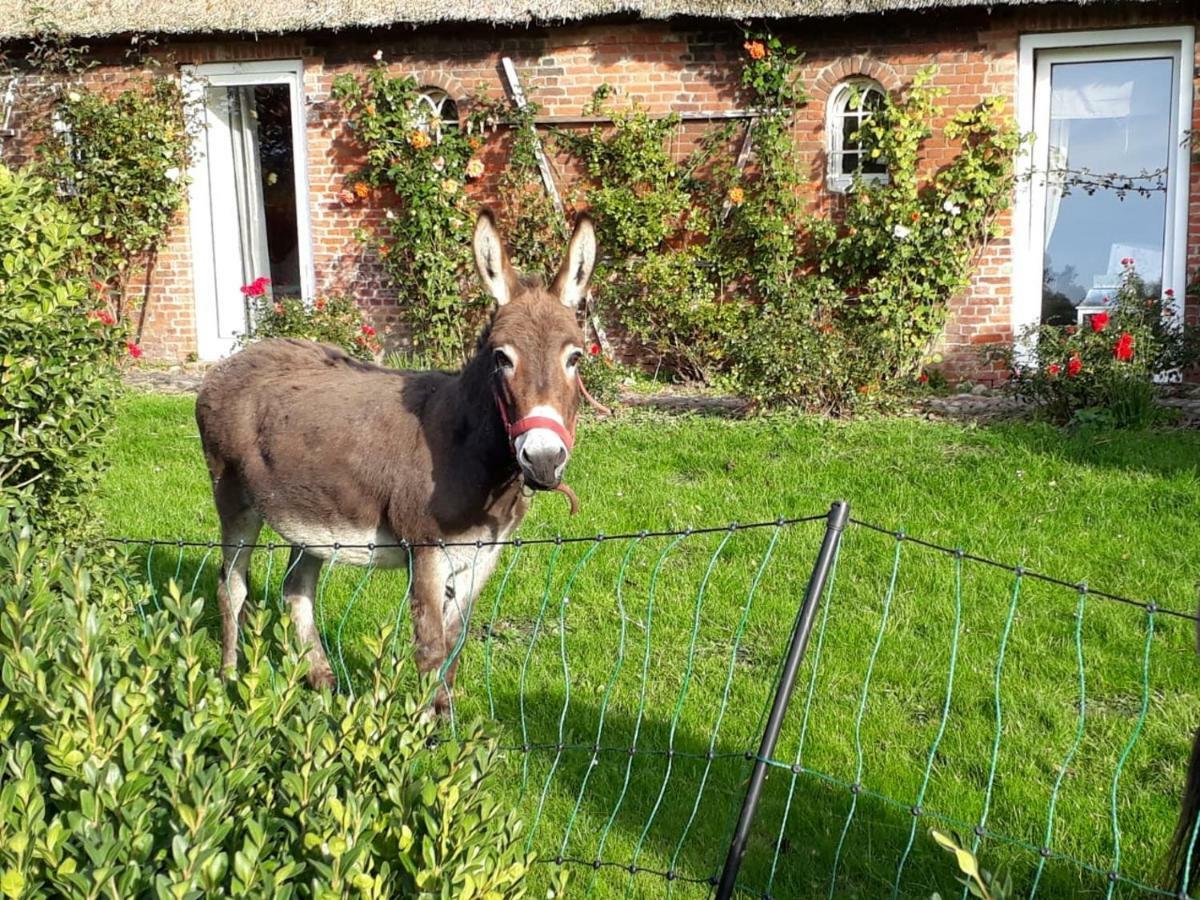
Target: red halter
519	427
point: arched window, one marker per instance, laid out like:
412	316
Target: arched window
436	110
852	103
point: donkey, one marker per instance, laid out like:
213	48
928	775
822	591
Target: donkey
346	458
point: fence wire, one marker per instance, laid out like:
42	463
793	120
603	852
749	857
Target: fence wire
629	679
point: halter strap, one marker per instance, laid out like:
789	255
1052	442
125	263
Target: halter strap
528	423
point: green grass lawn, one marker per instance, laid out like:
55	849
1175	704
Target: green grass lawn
669	642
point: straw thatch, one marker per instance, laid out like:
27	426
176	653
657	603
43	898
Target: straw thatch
94	18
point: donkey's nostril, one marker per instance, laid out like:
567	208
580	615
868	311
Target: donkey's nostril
562	456
523	457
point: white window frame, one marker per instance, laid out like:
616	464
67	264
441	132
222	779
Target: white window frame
433	100
1032	102
195	80
835	179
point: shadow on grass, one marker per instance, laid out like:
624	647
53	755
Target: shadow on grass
669	808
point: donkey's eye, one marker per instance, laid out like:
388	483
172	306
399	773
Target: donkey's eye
574	358
502	359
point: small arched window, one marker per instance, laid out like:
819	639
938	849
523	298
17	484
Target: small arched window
436	110
852	103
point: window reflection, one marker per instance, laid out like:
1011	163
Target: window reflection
1106	180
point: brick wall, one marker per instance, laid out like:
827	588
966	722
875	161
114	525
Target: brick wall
681	67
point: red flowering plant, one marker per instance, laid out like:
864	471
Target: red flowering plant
330	320
1103	371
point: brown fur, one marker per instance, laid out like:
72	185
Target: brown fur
329	449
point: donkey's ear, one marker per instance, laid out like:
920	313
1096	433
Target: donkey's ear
570	284
491	261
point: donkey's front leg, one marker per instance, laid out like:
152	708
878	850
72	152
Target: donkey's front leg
299	589
431	569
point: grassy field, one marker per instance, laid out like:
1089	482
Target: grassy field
672	644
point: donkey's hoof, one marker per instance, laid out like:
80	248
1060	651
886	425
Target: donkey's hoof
322	678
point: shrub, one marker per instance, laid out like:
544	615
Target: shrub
58	349
1101	372
120	161
331	320
129	768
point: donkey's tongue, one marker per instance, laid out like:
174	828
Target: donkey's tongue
566	491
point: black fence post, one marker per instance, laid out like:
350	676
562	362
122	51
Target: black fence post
839	512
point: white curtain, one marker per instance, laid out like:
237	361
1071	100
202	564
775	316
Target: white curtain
1096	100
247	177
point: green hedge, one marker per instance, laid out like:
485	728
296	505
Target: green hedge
129	768
58	352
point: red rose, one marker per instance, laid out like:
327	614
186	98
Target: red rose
1124	347
1074	366
134	350
320	304
368	331
594	349
1098	321
1169	292
1053	369
916	216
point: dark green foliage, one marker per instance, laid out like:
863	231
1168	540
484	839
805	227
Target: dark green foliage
57	357
129	768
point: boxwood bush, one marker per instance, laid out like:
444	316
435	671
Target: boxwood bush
129	768
58	349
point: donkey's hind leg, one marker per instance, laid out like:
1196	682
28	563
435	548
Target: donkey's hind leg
299	589
240	526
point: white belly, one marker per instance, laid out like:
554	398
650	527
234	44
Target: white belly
355	546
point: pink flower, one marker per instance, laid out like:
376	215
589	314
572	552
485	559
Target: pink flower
134	350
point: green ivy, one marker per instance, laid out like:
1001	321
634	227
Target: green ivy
130	768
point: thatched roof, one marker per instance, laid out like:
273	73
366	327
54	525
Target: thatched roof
94	18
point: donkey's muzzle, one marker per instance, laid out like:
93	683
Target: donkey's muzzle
542	463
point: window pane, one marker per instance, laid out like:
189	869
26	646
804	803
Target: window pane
1105	199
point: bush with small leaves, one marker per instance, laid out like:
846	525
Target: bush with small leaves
1101	372
130	768
58	350
330	320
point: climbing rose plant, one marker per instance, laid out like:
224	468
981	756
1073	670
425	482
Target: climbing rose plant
712	271
120	163
425	166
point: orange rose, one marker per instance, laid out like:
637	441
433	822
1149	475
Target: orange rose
361	190
755	49
737	196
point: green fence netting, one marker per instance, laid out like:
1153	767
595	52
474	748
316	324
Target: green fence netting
629	679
